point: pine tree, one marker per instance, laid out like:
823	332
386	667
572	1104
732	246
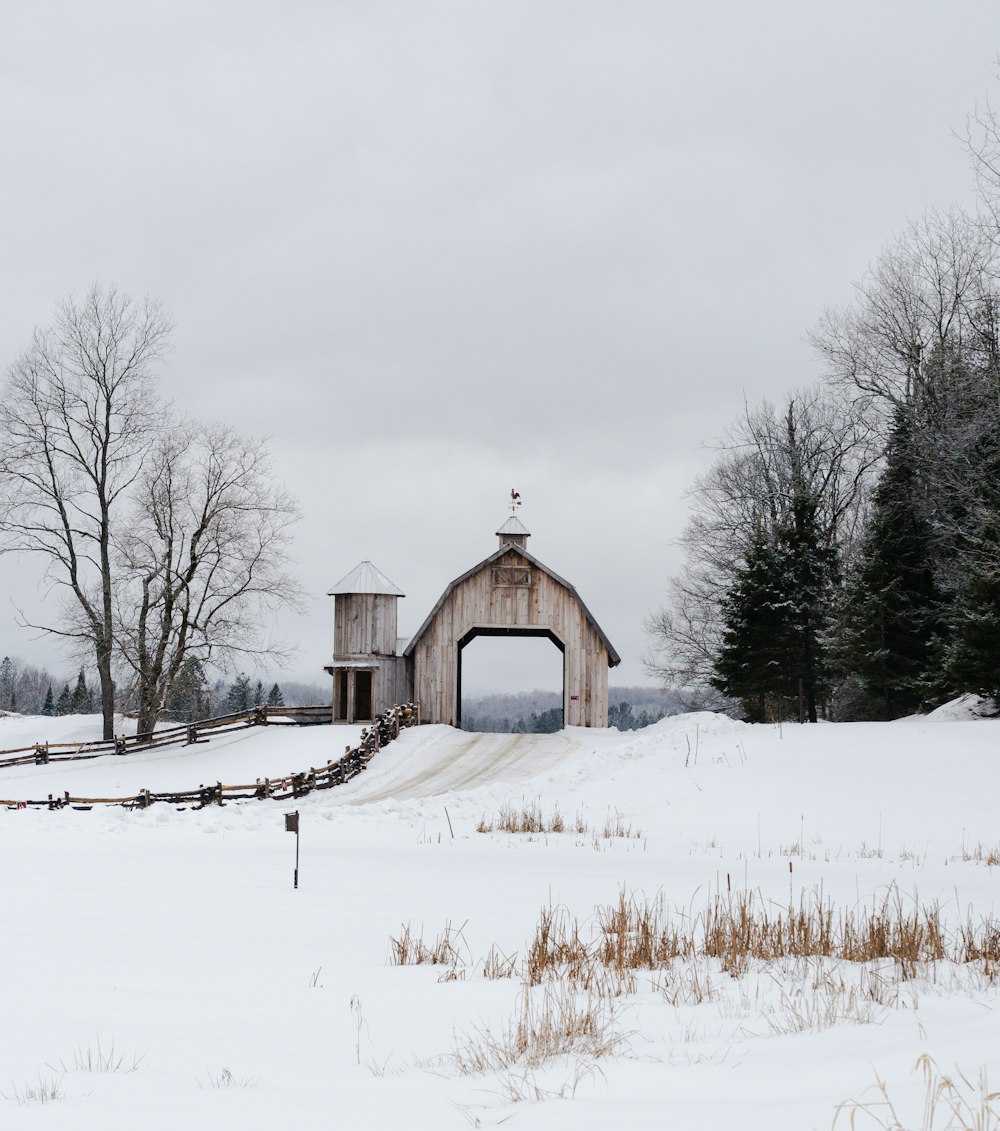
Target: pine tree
620	715
972	655
82	703
891	608
239	696
49	707
64	705
8	685
748	665
774	616
189	698
811	577
257	698
275	698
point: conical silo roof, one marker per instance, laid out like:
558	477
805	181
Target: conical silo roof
366	578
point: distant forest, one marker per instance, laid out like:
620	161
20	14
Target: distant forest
27	689
540	712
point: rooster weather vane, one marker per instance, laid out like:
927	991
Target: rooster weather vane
515	500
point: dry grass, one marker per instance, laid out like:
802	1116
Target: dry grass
615	826
44	1092
950	1104
740	928
101	1060
411	950
981	854
778	969
224	1079
496	964
825	998
735	930
553	1022
528	819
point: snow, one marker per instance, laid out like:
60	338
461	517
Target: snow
177	938
964	707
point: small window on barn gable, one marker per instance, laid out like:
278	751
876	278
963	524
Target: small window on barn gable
511	575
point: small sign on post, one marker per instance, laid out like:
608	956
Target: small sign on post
292	826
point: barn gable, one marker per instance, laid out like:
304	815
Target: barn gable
613	658
511	593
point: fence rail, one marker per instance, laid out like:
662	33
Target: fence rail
185	734
383	730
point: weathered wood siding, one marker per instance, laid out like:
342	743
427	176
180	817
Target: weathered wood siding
364	624
364	632
477	602
392	683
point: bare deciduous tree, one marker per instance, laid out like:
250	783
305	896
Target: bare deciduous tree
78	415
818	443
205	555
929	293
982	139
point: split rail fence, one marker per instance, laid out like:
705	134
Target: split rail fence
184	734
382	730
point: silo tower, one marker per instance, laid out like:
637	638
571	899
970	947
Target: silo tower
369	675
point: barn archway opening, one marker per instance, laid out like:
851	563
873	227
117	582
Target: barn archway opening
508	660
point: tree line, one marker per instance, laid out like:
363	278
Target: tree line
166	538
842	557
29	690
541	712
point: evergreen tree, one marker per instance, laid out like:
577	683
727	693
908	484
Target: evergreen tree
891	608
189	698
49	708
83	700
620	715
257	698
754	636
812	576
972	655
64	705
546	722
8	685
275	698
239	694
774	616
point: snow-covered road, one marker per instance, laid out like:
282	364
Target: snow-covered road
437	760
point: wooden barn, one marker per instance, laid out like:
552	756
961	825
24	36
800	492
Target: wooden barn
369	674
510	593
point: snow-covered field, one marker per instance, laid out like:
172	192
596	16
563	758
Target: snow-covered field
176	937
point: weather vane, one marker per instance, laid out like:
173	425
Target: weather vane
515	500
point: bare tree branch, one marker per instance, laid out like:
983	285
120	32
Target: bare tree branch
205	557
78	415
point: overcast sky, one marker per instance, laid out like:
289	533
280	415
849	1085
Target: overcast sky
439	250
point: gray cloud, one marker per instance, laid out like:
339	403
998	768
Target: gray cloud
439	249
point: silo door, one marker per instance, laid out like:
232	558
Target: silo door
340	697
363	696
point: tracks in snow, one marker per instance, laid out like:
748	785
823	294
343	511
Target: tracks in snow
457	760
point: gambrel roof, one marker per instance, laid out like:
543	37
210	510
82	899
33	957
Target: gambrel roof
508	547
